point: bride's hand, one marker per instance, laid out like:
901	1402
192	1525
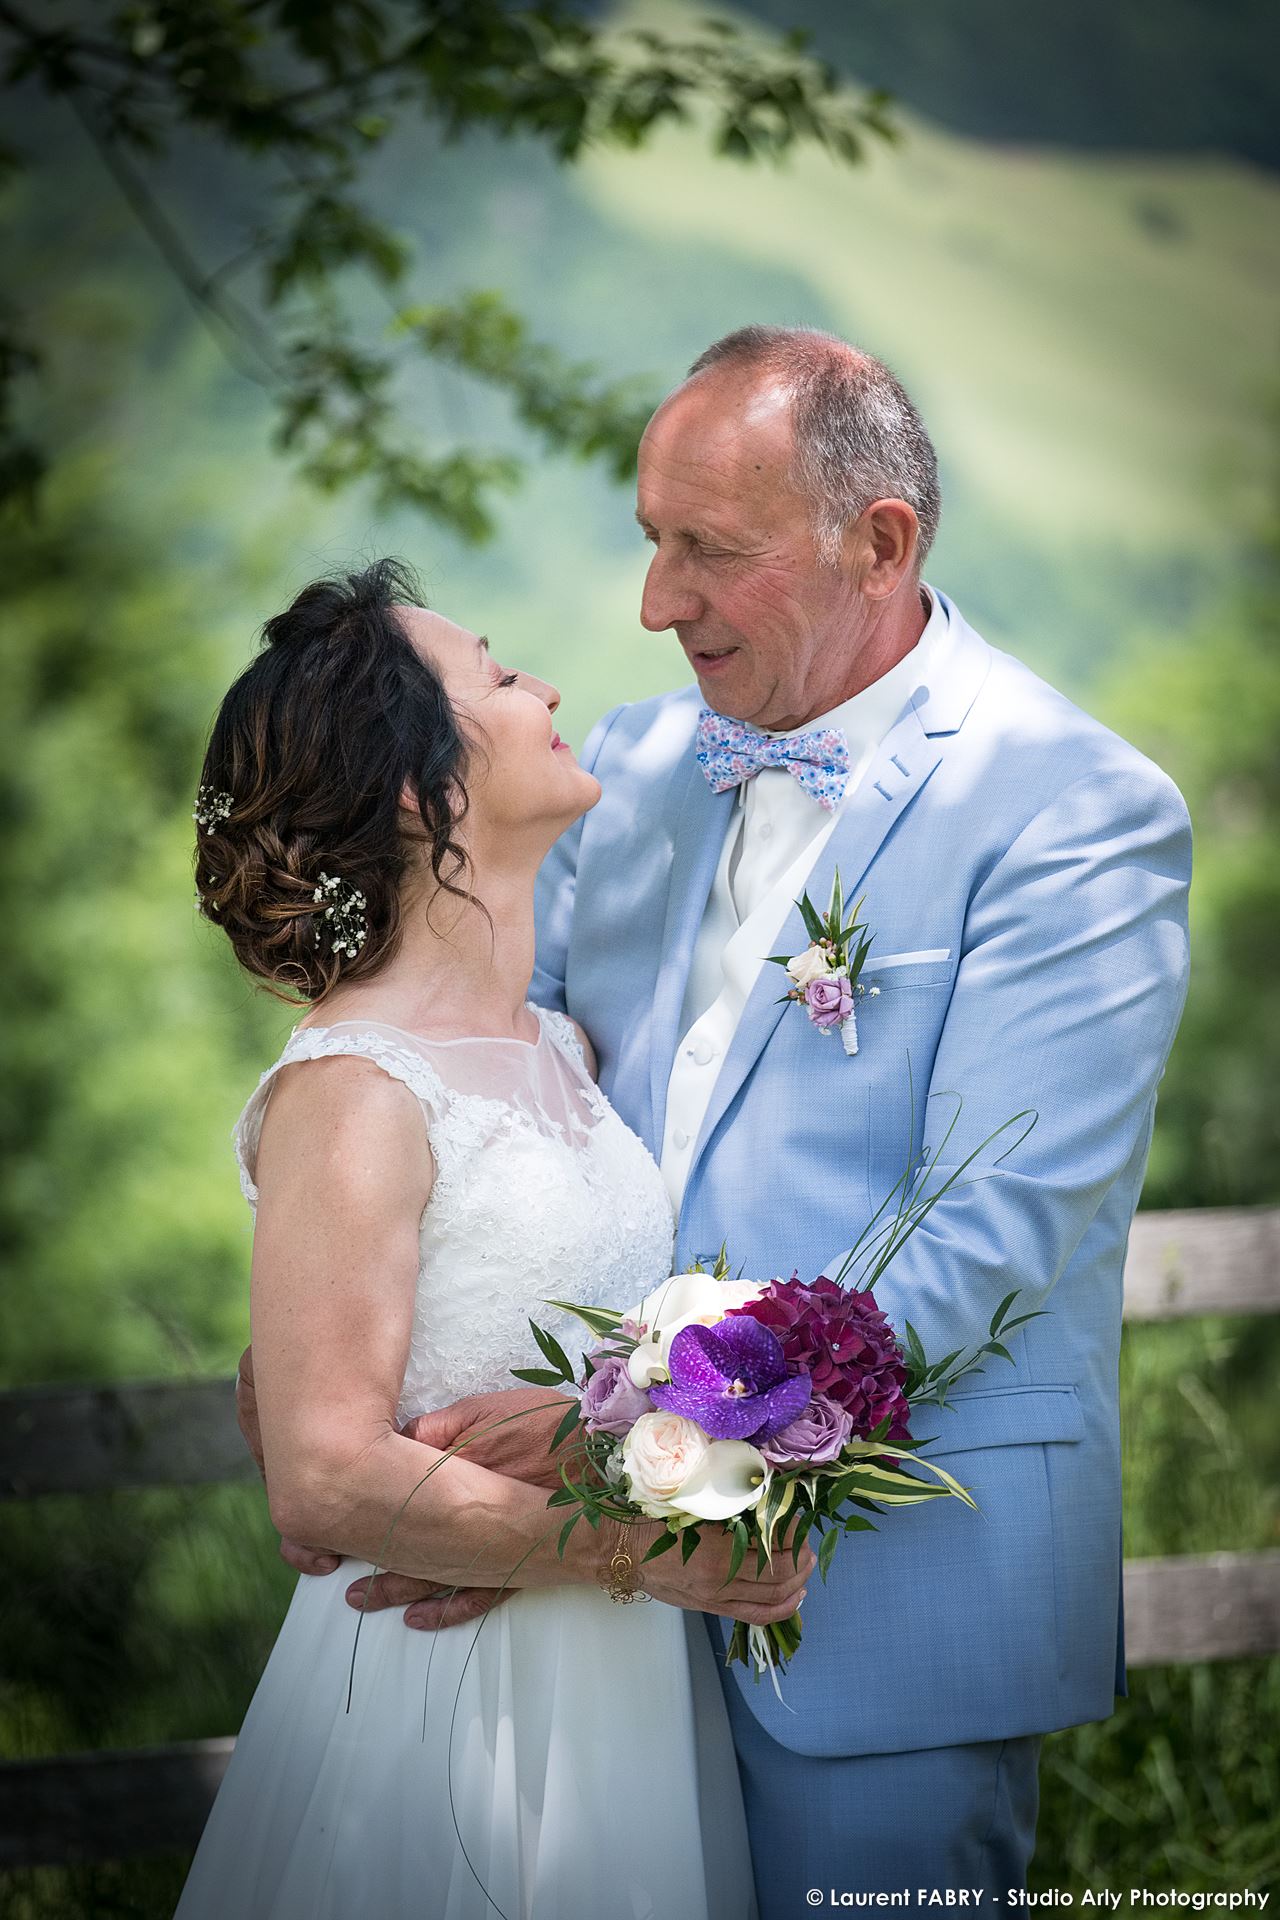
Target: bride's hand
700	1584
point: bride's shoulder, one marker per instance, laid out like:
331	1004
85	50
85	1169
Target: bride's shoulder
337	1126
572	1038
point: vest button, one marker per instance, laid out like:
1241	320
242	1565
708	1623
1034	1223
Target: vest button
680	1139
702	1053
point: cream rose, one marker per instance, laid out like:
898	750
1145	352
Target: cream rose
659	1454
813	964
686	1300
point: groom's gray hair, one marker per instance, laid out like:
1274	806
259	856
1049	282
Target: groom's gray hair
858	434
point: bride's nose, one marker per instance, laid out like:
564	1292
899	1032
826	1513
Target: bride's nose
545	691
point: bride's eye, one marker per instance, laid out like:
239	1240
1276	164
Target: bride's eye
508	679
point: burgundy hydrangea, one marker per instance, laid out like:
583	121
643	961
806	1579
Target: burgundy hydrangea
840	1338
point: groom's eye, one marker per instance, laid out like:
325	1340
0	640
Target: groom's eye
508	679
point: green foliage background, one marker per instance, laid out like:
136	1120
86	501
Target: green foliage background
1093	340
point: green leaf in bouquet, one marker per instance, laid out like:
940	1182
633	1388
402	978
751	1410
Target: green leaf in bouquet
688	1543
1001	1310
854	1523
948	1483
538	1376
563	1497
994	1346
739	1550
802	1534
566	1530
939	1367
825	1552
835	912
663	1544
566	1427
553	1350
599	1320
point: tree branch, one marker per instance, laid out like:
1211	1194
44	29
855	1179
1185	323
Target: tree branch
230	324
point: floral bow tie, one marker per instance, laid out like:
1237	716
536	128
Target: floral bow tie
730	752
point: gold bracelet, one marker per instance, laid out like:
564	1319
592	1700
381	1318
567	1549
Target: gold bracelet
621	1578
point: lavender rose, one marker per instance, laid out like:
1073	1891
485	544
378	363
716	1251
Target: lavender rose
610	1402
830	1002
815	1437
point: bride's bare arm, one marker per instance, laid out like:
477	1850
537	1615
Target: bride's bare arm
344	1171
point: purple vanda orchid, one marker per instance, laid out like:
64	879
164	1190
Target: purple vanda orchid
733	1380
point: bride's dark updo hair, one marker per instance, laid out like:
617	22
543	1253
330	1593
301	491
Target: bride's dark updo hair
308	758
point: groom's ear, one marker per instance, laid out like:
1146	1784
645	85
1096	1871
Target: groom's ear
879	547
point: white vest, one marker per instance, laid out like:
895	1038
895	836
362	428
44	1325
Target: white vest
775	834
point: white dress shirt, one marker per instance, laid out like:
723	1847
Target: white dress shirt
775	834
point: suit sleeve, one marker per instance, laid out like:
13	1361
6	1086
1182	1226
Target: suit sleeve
1066	1001
553	898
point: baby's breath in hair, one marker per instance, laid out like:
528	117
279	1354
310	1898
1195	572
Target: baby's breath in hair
212	808
344	907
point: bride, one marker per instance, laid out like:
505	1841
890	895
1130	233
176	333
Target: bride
428	1161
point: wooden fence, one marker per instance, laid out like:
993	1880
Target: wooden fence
113	1804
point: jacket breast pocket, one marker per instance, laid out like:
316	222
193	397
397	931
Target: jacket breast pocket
924	967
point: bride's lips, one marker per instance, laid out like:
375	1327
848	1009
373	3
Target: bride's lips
557	743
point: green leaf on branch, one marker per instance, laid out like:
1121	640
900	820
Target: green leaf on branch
738	1551
571	1419
1001	1311
553	1350
565	1531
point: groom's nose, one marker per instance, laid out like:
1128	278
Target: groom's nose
665	599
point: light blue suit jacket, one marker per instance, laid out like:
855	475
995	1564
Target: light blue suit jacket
1049	861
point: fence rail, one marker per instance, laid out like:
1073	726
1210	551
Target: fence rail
113	1805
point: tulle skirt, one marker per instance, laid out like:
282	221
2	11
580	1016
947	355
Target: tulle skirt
566	1758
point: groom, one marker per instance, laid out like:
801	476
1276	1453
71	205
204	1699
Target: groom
1024	875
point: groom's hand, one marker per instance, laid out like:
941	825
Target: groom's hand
507	1432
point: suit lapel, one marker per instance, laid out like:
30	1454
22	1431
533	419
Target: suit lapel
905	762
699	838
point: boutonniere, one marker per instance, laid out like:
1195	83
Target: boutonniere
826	975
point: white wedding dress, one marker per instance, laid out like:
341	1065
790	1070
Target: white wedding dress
564	1758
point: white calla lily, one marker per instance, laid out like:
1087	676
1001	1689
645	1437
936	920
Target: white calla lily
730	1477
685	1300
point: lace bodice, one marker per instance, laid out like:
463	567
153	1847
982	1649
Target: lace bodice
540	1191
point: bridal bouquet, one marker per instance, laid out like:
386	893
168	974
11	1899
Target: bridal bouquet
772	1408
